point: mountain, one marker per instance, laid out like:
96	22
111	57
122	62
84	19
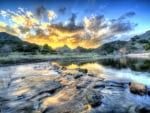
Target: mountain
111	47
138	43
10	43
64	49
5	37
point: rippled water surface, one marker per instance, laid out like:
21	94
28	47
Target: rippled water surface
21	84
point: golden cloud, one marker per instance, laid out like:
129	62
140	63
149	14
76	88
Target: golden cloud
51	15
95	29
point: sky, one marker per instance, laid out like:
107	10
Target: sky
84	23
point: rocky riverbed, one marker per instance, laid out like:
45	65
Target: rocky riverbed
51	88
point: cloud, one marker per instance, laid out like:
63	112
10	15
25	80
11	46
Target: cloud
128	14
51	15
12	30
95	23
98	28
2	27
118	26
3	13
40	11
89	34
62	10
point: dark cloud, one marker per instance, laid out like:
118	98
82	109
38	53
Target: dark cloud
121	26
98	22
23	29
72	19
128	14
40	32
62	10
40	11
71	25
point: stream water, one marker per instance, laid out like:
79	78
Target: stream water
30	87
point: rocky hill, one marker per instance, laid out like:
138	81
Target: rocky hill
137	44
10	43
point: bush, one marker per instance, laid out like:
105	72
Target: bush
147	46
46	49
143	41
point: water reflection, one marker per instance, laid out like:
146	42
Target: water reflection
35	81
126	69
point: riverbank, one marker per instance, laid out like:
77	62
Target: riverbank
21	58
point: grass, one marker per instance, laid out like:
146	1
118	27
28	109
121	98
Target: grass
17	58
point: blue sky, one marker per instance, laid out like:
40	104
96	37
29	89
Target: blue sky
109	8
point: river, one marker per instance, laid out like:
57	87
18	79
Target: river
49	87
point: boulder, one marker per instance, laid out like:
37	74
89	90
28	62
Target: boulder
137	88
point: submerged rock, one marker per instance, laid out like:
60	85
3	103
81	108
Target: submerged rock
137	88
83	70
76	76
93	98
139	109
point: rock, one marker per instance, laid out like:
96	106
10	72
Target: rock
143	109
83	70
56	68
93	98
113	83
91	74
148	91
137	88
64	68
139	109
49	88
80	86
99	85
76	76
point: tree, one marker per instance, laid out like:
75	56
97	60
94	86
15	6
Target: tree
5	50
147	46
46	49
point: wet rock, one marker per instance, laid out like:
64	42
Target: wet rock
64	68
70	107
91	75
76	76
139	109
93	98
143	110
83	70
148	90
115	84
137	88
80	86
49	88
21	96
26	107
55	67
99	85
